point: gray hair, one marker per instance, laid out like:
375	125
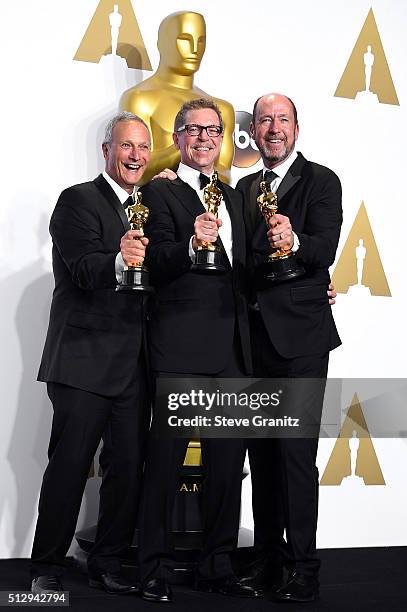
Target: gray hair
118	118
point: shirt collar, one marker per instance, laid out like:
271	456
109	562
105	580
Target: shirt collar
119	191
282	169
189	175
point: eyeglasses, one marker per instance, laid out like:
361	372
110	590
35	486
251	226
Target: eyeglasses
193	129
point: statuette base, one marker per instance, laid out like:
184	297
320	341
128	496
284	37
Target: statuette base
209	261
277	270
135	279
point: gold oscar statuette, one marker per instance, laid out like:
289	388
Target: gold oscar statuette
135	277
281	263
209	257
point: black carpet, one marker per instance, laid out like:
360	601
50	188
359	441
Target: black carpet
358	579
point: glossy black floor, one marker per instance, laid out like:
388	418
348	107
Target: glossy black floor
368	579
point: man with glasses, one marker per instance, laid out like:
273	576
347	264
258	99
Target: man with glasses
198	328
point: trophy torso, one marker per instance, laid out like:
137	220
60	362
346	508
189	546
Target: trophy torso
157	103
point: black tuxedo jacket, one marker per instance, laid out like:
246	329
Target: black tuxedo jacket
296	313
94	334
192	323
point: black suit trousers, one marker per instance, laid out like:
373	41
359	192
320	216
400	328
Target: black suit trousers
81	419
284	473
223	465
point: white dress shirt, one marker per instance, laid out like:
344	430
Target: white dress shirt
122	194
191	177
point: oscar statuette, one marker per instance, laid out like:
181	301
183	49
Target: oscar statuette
209	257
135	277
281	264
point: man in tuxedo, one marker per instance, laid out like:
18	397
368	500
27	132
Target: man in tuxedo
292	332
94	366
198	327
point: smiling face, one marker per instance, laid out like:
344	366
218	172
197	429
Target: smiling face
199	152
274	129
128	154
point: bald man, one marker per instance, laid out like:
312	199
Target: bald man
292	331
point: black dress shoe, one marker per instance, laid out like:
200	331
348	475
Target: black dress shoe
115	584
229	585
299	588
46	584
157	589
262	575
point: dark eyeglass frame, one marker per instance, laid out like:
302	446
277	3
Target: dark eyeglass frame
216	130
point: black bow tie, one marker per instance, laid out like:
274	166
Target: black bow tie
203	180
269	176
128	202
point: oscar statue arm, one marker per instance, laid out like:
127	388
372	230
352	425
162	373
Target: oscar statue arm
225	160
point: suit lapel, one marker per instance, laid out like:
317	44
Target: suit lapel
258	224
113	200
253	211
250	191
187	197
236	227
292	177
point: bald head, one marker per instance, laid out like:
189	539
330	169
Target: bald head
274	128
276	97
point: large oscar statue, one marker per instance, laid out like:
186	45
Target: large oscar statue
181	43
281	264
